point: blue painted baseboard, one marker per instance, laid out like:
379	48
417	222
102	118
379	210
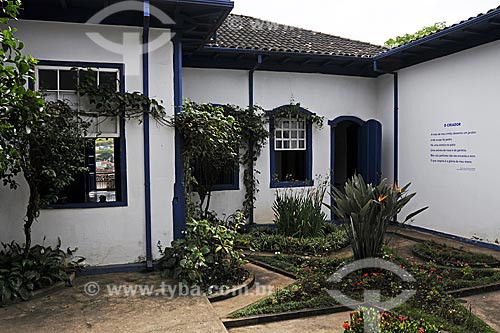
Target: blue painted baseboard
454	237
111	269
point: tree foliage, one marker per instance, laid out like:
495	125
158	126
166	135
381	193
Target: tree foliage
402	40
20	107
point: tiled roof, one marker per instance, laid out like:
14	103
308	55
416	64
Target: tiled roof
245	32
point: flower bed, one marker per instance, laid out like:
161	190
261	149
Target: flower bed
431	300
454	257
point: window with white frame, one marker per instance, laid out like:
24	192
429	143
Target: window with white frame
290	156
290	134
101	183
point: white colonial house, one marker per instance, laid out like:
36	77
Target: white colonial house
425	112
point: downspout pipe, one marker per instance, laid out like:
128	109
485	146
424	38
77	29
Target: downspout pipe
147	151
179	202
396	118
251	104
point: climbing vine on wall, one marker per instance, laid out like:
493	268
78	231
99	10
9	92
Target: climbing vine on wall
106	101
254	135
215	137
294	110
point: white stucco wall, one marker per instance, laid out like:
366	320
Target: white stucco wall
460	88
326	95
115	234
385	114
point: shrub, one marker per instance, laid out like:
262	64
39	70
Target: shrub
366	211
23	272
268	240
299	213
207	256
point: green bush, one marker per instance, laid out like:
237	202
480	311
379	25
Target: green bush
299	213
22	272
367	210
269	240
207	256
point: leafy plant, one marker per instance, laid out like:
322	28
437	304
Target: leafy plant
269	240
252	122
389	323
402	40
210	141
214	136
23	272
366	211
207	256
299	213
106	101
295	110
19	106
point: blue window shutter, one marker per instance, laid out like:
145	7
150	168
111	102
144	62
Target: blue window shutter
370	152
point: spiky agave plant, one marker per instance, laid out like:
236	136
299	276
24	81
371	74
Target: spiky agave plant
366	212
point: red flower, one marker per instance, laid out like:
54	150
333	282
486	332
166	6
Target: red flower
431	292
360	283
346	325
439	277
366	274
421	330
306	269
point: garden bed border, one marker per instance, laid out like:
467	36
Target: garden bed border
235	291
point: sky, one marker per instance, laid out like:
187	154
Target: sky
365	20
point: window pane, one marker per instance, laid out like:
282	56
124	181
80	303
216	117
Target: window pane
71	98
67	80
286	124
302	144
105	171
108	125
286	144
47	79
302	134
294	124
108	80
88	76
294	144
286	134
279	144
302	125
278	134
294	134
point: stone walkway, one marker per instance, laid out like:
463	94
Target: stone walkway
266	282
71	310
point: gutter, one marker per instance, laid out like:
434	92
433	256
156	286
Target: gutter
147	151
251	104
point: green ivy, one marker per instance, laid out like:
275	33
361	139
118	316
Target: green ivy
402	40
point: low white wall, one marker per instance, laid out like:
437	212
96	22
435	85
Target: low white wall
326	95
461	88
116	234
